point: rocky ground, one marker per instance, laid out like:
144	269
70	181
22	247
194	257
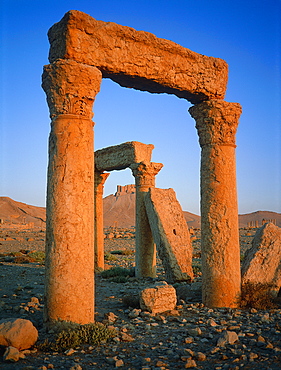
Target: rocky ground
189	336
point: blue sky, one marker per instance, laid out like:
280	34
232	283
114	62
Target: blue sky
246	34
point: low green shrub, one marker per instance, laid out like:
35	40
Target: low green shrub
117	272
77	335
123	252
110	257
37	256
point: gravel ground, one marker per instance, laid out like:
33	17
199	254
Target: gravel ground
190	336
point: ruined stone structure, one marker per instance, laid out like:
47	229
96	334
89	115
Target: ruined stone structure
136	156
82	51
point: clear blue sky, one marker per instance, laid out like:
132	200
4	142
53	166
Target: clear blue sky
247	34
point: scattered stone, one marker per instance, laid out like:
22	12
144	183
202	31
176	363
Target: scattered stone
228	337
190	363
11	354
126	337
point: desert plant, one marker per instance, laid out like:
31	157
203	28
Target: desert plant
77	335
257	295
37	256
117	274
124	252
110	257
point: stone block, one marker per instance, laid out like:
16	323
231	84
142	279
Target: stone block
170	233
262	262
160	298
119	157
138	59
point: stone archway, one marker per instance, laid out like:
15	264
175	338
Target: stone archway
82	52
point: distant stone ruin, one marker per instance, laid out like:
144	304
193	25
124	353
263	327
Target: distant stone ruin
82	52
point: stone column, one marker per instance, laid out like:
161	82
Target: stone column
69	278
100	179
216	122
144	174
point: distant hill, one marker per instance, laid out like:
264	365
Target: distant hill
13	212
119	211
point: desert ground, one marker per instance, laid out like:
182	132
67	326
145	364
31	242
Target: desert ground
185	337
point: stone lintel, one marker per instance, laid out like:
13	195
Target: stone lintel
119	157
138	59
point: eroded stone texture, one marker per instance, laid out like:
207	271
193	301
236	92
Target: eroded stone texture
71	89
160	298
18	333
100	179
138	59
119	157
262	262
144	174
170	233
216	122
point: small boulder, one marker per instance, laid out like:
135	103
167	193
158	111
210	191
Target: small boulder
18	333
162	297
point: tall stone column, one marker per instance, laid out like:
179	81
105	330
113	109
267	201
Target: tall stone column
144	174
69	278
216	122
100	178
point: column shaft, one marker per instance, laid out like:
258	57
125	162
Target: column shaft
144	174
216	122
100	179
69	272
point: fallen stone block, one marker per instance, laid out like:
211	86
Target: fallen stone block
262	262
170	233
160	298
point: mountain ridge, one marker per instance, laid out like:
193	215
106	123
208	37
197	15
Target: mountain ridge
119	211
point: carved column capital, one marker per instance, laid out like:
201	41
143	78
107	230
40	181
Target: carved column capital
145	173
100	178
216	122
71	88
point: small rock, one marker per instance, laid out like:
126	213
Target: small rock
201	356
190	363
228	337
11	354
76	367
194	331
69	352
126	337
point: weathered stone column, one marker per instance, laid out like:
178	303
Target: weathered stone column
216	122
144	174
71	88
100	178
